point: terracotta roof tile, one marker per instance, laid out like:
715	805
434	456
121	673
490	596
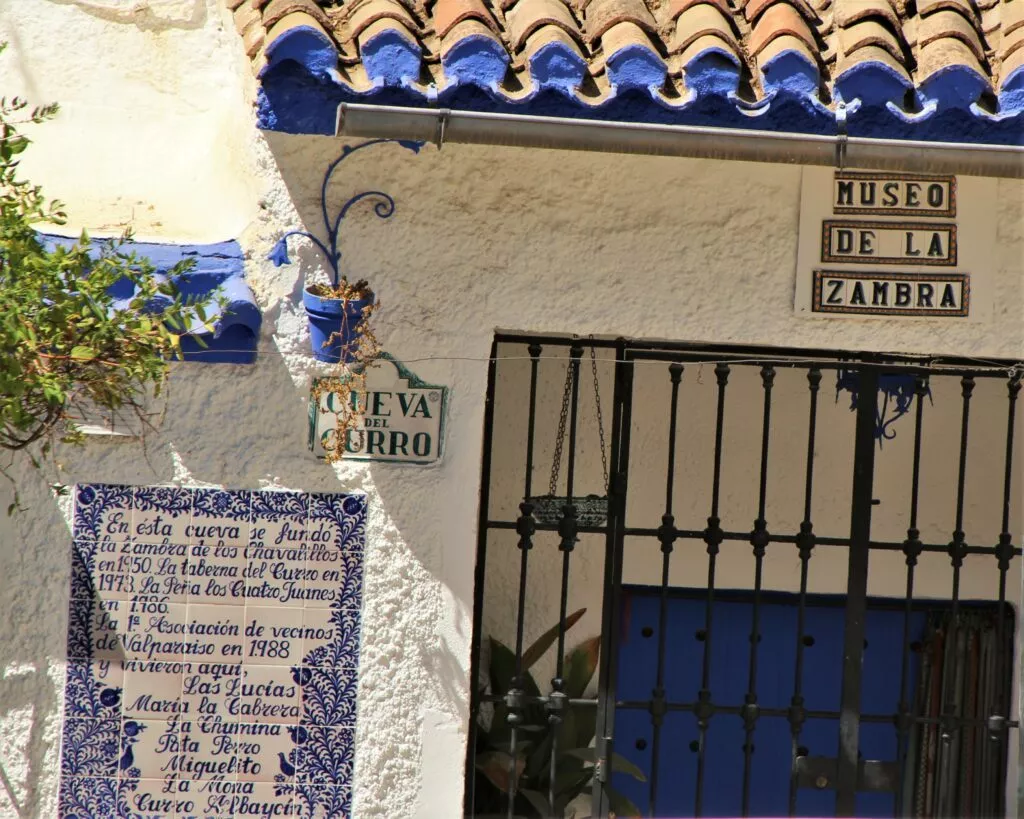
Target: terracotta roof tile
278	9
849	12
246	17
868	55
1013	16
622	35
677	7
967	8
950	25
1012	61
526	16
513	48
467	27
781	19
373	10
869	33
707	43
547	35
447	13
945	53
755	8
601	15
700	21
1012	45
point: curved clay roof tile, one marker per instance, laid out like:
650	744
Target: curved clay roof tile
755	8
950	25
370	12
677	7
527	16
946	52
1013	61
871	54
1012	45
707	43
780	20
699	21
623	35
465	29
449	13
278	9
1013	16
601	15
869	33
848	12
926	8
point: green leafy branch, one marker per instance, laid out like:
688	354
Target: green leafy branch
66	341
570	741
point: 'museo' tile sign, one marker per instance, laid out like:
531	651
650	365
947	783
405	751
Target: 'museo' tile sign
213	646
891	244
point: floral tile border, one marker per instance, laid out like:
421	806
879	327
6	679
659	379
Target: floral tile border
130	637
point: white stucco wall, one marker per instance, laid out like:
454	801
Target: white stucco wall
157	131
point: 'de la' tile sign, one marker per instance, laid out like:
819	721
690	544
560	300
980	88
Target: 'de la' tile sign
213	645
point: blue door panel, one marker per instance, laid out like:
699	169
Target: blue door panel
729	672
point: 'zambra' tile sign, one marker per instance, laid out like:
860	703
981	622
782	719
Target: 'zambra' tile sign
213	650
894	244
399	417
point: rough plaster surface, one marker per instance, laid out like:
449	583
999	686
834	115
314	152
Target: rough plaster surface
156	130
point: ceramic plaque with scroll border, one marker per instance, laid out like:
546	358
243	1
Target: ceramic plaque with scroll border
184	695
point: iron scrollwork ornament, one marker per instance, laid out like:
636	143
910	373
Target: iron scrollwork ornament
896	391
384	207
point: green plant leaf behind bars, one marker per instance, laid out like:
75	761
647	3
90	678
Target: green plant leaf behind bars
535	742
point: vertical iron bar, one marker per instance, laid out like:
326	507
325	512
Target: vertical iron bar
567	529
912	548
525	527
610	626
805	543
957	550
759	539
667	536
1004	554
478	579
856	593
713	536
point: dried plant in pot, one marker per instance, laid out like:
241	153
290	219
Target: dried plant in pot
339	320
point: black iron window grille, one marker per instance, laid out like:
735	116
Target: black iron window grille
742	501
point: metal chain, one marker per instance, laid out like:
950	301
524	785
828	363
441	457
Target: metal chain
600	419
557	462
556	466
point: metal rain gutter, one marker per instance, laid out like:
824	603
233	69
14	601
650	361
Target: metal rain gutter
443	125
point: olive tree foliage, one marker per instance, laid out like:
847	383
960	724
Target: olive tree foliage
66	342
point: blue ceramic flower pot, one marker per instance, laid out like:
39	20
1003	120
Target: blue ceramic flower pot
333	325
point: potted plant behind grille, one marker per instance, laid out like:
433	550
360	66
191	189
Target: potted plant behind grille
591	510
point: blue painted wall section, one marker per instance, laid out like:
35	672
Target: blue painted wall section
219	271
300	92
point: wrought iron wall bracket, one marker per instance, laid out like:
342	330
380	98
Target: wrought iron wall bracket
384	207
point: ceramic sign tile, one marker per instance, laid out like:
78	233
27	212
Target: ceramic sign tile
213	651
894	245
397	418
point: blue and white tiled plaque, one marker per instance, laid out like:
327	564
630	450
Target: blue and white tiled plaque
213	653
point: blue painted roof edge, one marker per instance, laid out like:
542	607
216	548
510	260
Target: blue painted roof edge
298	95
219	270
